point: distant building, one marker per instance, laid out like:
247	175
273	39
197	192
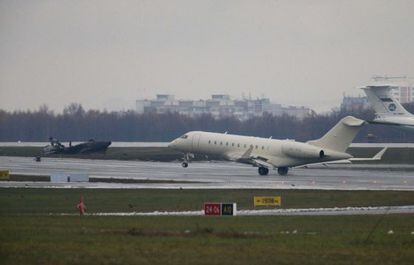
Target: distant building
219	106
404	94
354	103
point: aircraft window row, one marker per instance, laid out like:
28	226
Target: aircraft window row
238	145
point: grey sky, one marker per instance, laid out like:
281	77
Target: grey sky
109	53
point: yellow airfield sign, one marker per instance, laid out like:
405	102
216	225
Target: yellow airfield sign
267	200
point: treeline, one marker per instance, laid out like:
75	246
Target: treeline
77	124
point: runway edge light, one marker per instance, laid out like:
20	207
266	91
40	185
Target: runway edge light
267	201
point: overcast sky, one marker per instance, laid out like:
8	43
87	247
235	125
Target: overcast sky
109	53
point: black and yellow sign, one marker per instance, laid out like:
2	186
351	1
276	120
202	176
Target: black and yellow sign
4	175
227	209
267	201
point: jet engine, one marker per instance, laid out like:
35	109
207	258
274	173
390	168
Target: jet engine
304	151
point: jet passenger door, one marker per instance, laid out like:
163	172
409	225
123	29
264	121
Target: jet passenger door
196	142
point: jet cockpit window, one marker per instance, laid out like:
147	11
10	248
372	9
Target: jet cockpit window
185	136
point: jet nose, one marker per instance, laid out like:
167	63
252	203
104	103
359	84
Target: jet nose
173	144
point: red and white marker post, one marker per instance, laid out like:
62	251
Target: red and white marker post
81	206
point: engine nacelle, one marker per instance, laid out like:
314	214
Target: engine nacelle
304	151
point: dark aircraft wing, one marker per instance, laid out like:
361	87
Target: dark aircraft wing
385	123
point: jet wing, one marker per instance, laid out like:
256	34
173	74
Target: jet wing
248	158
385	123
261	163
236	156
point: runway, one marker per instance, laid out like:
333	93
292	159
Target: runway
211	175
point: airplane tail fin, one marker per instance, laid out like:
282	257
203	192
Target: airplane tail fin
341	135
381	99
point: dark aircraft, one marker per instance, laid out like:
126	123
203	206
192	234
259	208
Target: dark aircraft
91	146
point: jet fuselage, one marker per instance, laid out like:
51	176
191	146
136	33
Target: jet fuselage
279	153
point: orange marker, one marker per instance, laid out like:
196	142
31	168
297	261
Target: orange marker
81	206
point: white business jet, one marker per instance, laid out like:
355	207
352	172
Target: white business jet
267	153
388	110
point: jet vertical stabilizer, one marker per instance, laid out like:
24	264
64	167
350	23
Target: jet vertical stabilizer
388	111
381	99
341	135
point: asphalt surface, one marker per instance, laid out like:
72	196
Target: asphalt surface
212	175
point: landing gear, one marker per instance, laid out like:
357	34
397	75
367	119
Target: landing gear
283	171
263	171
186	159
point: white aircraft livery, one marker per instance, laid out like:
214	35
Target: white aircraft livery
388	110
267	153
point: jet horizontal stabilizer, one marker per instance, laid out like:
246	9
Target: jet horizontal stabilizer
376	157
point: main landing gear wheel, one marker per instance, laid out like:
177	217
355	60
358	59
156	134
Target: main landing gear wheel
283	171
263	171
184	164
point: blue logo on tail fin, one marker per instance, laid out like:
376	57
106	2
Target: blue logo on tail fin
392	107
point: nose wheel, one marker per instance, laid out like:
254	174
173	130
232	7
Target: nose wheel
186	160
263	171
